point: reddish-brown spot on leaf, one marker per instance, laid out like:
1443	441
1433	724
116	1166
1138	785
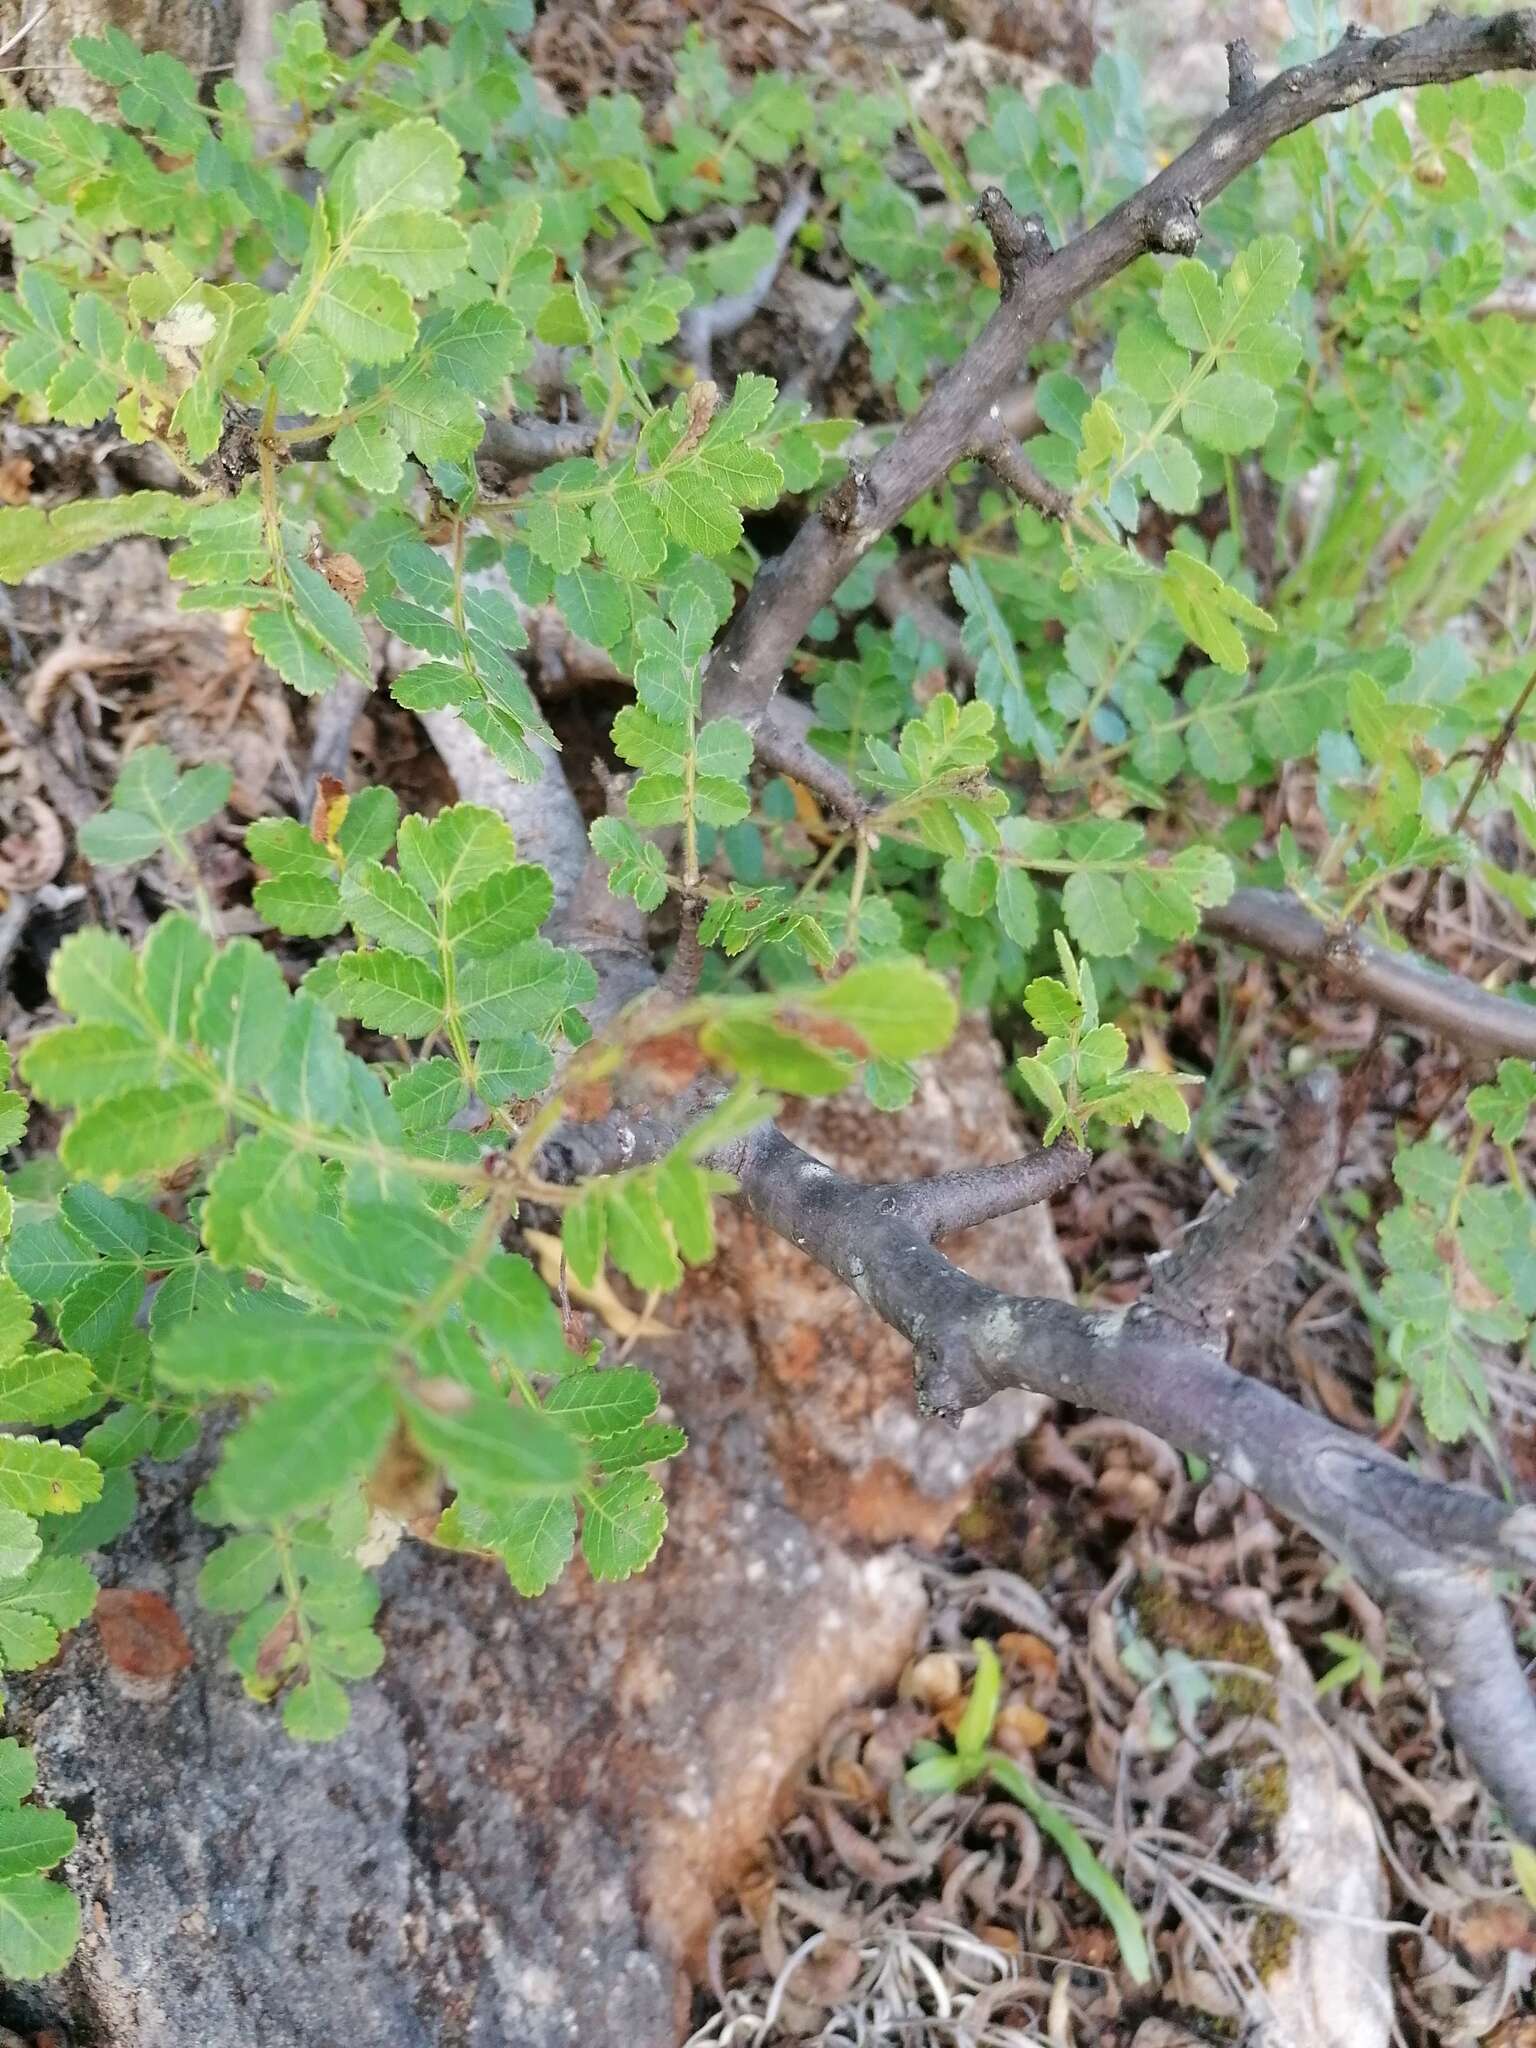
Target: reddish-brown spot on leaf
280	1639
329	810
141	1634
832	1034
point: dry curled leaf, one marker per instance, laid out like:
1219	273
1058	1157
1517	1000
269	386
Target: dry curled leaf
1021	1727
32	851
1031	1653
1497	1927
328	811
279	1640
622	1320
701	400
141	1634
933	1680
15	480
345	575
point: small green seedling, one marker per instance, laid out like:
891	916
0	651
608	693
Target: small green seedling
944	1770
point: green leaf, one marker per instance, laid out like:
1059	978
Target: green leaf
80	1063
15	1320
900	1009
330	618
513	1310
312	1080
242	1007
31	538
154	805
39	1927
455	851
975	1725
494	1446
300	1448
20	1545
368	315
56	1594
622	1525
412	163
392	992
1191	305
32	1838
1506	1108
1170	474
18	1771
626	531
304	906
45	1478
310	376
1150	362
480	345
143	1131
521	988
318	1710
1088	1872
176	956
381	903
639	1242
95	977
1263	279
44	1387
535	1538
496	913
366	451
696	511
1210	610
556	529
601	1404
423	250
1230	411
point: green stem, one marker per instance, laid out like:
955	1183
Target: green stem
856	890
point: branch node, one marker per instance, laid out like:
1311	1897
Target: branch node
1009	464
1172	226
1242	82
1020	243
851	503
956	1201
1277	924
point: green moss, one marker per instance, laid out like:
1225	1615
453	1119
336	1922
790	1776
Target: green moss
1270	1944
1171	1619
1267	1792
1216	2028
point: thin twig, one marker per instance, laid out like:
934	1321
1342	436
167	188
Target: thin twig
756	652
703	326
1277	924
65	794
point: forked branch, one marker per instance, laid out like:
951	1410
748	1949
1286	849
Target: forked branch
1490	1026
1039	285
1424	1549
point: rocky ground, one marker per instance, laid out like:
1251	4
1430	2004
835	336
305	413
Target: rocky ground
675	1810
